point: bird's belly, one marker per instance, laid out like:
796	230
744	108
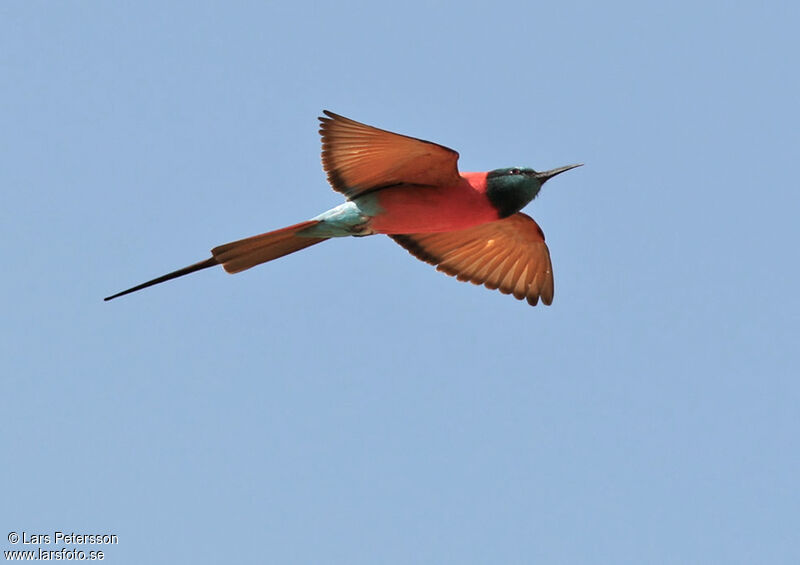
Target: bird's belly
426	209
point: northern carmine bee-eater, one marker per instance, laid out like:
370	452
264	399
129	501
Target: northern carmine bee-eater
468	225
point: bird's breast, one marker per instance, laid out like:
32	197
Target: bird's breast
425	209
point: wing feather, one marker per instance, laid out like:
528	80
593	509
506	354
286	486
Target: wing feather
359	158
509	255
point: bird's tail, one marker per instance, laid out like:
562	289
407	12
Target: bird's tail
240	255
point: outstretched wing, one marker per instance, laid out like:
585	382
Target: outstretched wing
359	158
509	255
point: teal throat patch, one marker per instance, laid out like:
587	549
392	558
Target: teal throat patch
510	190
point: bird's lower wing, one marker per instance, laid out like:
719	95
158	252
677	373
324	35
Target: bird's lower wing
510	255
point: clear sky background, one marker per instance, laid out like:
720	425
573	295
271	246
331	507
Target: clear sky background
349	404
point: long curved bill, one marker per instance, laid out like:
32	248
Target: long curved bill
547	175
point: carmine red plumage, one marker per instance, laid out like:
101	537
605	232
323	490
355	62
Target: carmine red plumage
422	209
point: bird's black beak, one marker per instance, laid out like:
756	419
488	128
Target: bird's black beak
547	175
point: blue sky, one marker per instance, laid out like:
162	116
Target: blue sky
348	404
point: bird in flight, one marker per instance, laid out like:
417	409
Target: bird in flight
468	225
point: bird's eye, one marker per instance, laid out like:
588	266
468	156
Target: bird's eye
514	171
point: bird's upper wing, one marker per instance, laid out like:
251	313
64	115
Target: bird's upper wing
509	255
359	158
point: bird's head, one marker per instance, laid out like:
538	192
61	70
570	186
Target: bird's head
510	189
